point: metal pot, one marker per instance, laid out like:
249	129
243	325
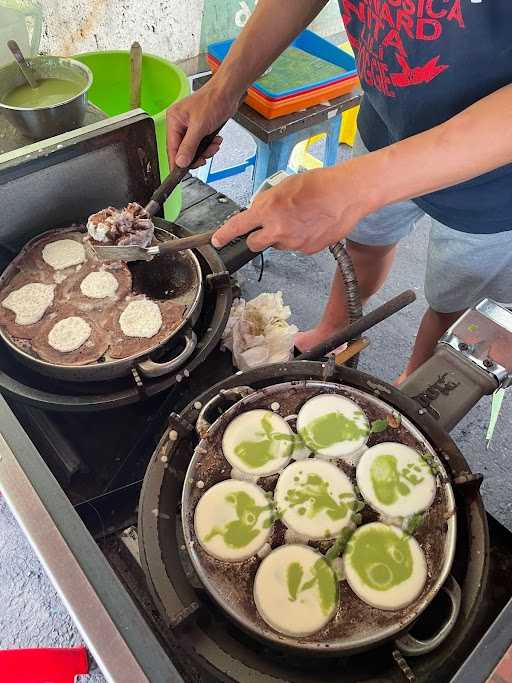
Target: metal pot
45	122
355	626
110	369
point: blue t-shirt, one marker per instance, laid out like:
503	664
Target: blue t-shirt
421	62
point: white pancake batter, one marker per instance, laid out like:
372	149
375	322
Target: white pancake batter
30	302
395	480
63	254
100	284
233	520
315	498
258	442
333	426
69	334
384	566
141	319
295	590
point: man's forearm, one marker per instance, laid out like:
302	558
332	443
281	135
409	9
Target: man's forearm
470	144
271	28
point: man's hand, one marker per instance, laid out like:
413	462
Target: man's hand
189	120
306	212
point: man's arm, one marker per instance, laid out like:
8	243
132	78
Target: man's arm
271	28
310	211
476	141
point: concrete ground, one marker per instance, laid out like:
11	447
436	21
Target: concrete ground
32	614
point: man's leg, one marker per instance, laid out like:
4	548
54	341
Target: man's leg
432	327
372	265
462	269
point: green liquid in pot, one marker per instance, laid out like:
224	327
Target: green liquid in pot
49	92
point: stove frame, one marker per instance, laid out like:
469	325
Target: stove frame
117	621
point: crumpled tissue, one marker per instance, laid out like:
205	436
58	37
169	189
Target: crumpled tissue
257	331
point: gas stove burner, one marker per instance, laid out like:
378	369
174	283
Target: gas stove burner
214	641
354	625
27	385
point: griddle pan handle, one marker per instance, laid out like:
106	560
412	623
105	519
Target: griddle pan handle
233	395
413	647
150	368
161	194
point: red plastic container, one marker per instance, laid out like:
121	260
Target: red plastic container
43	665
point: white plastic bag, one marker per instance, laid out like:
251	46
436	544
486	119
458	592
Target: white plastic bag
257	332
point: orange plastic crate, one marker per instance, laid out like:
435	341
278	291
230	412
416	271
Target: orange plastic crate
272	109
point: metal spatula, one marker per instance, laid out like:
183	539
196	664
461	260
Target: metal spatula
136	253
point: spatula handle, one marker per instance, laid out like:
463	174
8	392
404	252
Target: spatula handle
24	67
135	75
177	174
192	242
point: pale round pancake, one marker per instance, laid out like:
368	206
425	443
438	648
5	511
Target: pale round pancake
99	284
333	426
233	520
314	498
69	334
258	442
30	302
395	480
384	566
63	254
295	590
141	318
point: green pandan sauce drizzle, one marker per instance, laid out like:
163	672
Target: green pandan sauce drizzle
243	530
330	429
322	578
294	575
256	454
313	497
388	482
381	559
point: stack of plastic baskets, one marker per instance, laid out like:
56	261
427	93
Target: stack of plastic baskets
272	103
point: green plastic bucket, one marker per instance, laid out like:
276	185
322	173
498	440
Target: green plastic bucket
162	85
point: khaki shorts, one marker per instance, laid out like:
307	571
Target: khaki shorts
462	268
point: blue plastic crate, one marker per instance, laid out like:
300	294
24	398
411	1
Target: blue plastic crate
310	43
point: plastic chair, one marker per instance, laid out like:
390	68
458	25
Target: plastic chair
43	665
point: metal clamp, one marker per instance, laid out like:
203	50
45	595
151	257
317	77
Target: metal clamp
234	394
501	374
413	647
150	368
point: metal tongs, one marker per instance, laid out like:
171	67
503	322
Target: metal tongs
136	253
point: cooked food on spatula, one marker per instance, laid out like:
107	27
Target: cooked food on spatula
24	305
233	520
129	226
295	590
258	442
384	566
395	480
141	323
68	338
333	426
314	498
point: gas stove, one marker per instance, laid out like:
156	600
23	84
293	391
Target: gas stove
74	460
190	640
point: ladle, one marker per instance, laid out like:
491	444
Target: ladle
25	69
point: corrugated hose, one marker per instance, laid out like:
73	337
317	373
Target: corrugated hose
352	293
